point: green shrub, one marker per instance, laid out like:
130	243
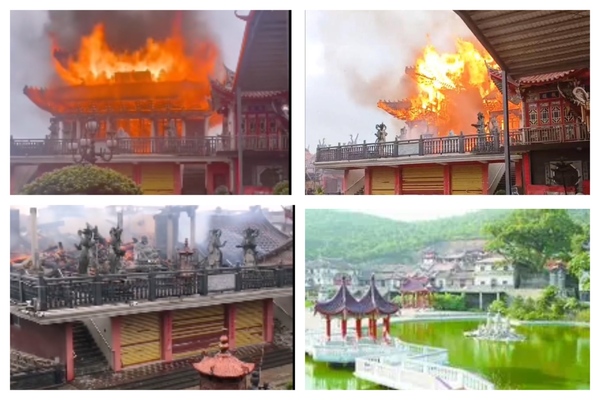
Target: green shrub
82	179
583	316
449	302
282	187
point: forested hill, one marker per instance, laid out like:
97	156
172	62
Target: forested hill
357	237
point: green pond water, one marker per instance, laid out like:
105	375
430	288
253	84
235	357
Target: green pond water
552	357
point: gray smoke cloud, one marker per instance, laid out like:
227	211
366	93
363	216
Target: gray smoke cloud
31	46
358	58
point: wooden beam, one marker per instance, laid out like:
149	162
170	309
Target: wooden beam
516	16
465	16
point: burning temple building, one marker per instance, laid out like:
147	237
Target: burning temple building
175	121
454	138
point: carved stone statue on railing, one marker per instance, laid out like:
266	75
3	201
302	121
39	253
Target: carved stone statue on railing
494	126
321	144
249	246
381	133
402	135
115	252
215	255
144	252
86	243
171	129
480	125
451	133
353	140
54	128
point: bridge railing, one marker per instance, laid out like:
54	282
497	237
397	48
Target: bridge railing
69	292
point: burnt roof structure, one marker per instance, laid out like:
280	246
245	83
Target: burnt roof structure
372	303
232	225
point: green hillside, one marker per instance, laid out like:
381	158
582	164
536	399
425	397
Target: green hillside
357	237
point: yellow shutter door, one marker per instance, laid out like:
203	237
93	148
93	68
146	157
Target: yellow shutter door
423	180
249	323
197	330
467	179
140	339
383	180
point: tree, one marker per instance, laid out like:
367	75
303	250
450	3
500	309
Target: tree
529	238
282	187
82	179
579	265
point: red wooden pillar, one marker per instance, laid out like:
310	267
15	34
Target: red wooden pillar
484	178
328	328
230	321
526	172
137	173
167	336
116	342
268	323
447	180
210	179
358	328
386	323
69	352
398	185
177	178
345	181
344	327
368	172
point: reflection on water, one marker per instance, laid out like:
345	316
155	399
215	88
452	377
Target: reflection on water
552	357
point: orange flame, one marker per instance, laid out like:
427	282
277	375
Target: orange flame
449	89
96	63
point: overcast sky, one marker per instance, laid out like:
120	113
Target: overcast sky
30	62
355	58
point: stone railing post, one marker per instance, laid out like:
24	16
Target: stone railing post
421	146
42	293
97	290
152	285
365	149
461	143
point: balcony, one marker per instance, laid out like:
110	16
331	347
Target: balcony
465	145
179	146
472	144
551	134
72	292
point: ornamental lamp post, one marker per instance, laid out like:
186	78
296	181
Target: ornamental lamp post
84	151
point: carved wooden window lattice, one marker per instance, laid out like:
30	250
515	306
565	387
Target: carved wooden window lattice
544	114
252	126
243	125
272	124
263	124
556	114
533	116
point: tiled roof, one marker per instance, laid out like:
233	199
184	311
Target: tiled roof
543	78
224	364
344	302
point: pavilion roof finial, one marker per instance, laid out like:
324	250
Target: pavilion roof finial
242	17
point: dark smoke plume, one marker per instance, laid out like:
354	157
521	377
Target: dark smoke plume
127	30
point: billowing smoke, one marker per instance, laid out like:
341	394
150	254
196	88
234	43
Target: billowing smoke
31	34
128	31
369	50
